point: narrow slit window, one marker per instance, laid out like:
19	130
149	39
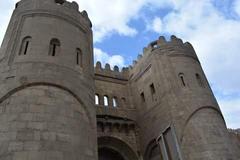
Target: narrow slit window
181	76
25	45
54	50
142	97
199	80
105	99
96	99
79	57
114	102
54	47
123	100
26	48
152	88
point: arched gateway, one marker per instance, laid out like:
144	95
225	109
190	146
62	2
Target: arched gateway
110	148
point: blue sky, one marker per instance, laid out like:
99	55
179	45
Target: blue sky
123	27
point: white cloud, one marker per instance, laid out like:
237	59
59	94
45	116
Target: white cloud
104	58
6	8
110	17
237	7
216	40
231	112
156	25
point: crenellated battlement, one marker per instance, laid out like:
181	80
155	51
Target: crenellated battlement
63	5
175	46
107	71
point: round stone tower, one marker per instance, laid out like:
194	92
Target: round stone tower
178	112
46	96
195	113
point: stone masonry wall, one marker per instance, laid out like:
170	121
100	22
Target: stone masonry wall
43	123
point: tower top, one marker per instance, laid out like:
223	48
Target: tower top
175	46
63	6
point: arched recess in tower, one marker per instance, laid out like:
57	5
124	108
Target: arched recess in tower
110	148
40	120
205	136
153	151
105	153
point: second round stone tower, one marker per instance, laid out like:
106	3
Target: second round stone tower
179	117
46	97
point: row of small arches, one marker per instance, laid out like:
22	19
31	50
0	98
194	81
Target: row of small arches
54	49
114	102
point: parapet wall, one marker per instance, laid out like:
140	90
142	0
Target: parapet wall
173	47
111	73
58	5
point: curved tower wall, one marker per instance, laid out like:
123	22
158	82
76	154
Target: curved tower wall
46	97
175	103
196	115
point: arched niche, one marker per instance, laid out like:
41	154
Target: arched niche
205	135
105	153
44	113
109	145
153	151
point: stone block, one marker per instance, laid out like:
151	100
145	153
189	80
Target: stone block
15	146
25	135
37	155
54	155
33	108
32	145
37	125
20	155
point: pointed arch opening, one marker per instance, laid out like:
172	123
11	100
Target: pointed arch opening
115	104
25	45
54	47
96	99
105	100
122	151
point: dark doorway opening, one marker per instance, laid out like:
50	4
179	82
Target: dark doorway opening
108	154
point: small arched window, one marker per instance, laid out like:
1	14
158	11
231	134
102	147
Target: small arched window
115	102
25	45
142	97
105	100
79	57
96	99
199	80
54	47
181	77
